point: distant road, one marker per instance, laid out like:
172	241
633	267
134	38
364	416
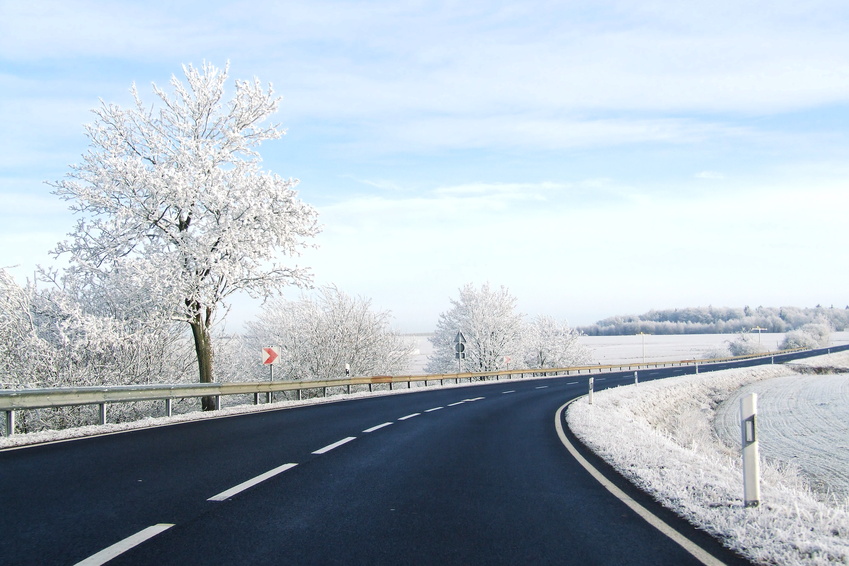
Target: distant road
472	475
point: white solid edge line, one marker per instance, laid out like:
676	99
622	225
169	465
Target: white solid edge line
698	552
336	444
123	546
378	427
409	416
251	482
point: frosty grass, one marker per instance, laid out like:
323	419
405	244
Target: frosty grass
661	436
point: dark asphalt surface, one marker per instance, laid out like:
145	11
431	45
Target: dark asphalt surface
482	480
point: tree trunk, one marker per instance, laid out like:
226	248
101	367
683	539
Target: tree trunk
203	348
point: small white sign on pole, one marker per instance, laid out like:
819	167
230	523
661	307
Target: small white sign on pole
751	458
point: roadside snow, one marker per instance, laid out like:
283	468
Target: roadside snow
803	422
661	436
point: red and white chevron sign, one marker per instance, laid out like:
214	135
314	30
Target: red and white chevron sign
270	355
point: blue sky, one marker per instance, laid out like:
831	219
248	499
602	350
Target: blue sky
596	158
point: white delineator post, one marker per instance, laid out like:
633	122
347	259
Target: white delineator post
751	459
591	391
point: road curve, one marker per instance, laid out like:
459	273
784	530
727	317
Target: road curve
449	476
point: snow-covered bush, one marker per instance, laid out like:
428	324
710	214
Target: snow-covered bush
320	336
744	345
551	344
53	337
813	335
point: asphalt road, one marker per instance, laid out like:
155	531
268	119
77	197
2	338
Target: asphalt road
471	475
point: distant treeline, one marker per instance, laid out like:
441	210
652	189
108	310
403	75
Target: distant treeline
713	320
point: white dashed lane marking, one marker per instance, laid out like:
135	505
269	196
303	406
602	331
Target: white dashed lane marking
123	546
409	416
336	444
434	409
251	482
378	427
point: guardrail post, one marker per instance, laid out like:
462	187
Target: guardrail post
102	413
591	391
168	407
751	464
10	423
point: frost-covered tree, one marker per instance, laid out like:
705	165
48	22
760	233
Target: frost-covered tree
490	324
174	193
21	352
320	335
552	344
811	335
53	337
744	345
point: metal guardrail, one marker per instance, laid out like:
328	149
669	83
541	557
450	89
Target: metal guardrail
28	399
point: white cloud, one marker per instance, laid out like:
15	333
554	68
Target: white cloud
712	175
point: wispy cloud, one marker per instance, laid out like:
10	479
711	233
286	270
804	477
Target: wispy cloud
712	175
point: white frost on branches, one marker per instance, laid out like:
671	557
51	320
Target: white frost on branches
553	344
172	196
497	337
320	336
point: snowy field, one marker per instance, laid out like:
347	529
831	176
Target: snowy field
804	423
609	350
678	440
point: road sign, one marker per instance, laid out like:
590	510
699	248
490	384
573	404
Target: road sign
270	355
459	351
459	339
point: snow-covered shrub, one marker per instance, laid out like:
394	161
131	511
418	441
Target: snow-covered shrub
813	335
551	344
744	345
319	336
74	336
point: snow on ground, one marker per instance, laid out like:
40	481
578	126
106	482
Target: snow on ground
803	421
661	436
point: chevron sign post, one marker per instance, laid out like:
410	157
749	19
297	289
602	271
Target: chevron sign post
270	355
